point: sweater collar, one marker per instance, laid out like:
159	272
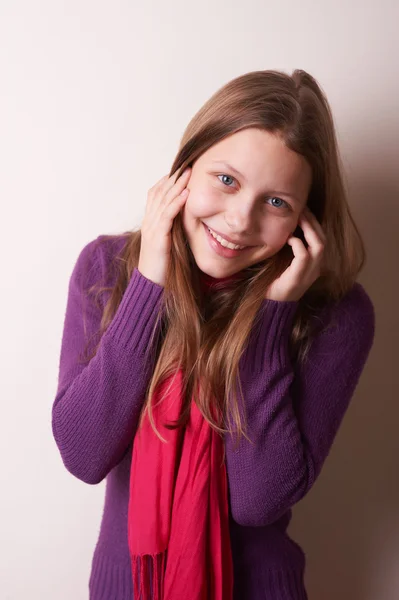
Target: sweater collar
207	281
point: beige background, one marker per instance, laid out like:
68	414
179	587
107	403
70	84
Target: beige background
94	98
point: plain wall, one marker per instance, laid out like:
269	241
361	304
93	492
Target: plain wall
94	98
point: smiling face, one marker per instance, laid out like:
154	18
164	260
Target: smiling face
250	189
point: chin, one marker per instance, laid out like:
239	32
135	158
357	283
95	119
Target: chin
218	272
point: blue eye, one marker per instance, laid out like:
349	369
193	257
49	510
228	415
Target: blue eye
282	203
278	199
227	177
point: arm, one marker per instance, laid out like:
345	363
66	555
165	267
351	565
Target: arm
294	412
97	404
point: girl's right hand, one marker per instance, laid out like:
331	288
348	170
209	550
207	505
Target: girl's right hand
164	201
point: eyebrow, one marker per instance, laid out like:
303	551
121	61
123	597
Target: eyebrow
236	172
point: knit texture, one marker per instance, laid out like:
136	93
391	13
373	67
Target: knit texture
293	412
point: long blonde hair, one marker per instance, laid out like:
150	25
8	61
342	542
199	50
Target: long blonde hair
207	339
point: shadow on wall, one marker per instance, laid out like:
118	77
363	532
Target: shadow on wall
348	525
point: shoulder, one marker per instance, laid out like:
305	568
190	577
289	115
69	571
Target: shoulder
109	249
95	259
349	323
354	311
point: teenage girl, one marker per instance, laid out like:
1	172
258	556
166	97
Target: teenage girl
208	358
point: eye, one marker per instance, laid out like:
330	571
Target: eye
281	202
226	177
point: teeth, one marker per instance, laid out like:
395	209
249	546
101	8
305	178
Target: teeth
224	242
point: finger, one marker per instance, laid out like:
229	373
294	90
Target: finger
315	243
158	184
298	247
177	188
315	222
160	219
156	198
301	256
170	210
174	180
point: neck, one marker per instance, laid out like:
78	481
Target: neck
207	280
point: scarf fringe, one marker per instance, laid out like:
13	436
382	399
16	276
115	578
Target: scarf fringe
148	572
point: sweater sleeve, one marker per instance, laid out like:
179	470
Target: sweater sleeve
97	404
294	411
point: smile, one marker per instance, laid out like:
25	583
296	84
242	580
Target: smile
224	242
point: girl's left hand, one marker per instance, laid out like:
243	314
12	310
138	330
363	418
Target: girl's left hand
306	265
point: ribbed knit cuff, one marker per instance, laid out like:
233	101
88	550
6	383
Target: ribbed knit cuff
135	317
271	343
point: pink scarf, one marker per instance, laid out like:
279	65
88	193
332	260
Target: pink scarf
178	514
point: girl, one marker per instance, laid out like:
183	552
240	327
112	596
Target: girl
208	358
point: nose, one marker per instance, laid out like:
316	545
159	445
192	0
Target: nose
240	219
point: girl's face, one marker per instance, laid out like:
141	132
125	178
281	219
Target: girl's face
250	189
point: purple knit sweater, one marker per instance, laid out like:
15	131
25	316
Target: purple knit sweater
293	412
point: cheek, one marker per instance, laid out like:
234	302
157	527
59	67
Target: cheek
276	232
203	201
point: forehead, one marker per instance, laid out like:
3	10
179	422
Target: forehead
262	158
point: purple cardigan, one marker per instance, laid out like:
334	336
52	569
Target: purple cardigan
294	413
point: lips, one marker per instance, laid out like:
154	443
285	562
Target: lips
227	238
224	251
